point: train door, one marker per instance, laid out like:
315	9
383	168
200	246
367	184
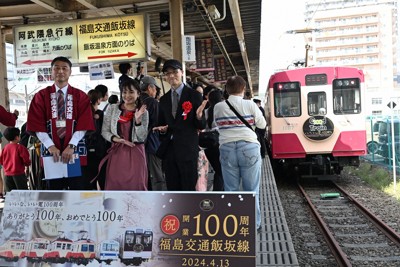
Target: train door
316	103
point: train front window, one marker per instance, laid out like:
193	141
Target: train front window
316	103
287	99
129	238
346	96
110	247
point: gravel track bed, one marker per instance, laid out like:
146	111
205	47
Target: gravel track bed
310	245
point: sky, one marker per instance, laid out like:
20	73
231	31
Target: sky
278	49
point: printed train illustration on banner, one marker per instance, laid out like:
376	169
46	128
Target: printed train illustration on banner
132	247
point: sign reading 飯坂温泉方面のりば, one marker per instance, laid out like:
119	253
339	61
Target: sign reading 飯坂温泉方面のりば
122	228
318	128
90	40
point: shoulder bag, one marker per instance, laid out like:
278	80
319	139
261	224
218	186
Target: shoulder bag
259	137
209	139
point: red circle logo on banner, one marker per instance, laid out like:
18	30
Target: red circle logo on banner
170	224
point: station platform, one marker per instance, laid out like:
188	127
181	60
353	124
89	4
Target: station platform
274	242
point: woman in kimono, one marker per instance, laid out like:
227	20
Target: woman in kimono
125	126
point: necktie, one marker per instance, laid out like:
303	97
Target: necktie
61	113
175	100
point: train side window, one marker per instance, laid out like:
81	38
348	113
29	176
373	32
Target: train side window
316	103
287	99
346	96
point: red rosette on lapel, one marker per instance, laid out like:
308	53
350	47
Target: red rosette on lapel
187	107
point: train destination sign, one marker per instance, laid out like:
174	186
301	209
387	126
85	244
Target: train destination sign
318	128
122	228
83	41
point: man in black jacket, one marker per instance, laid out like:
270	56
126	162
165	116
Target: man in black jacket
126	70
180	118
148	86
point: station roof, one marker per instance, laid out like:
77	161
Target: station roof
238	32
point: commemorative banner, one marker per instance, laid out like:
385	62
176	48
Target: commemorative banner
128	228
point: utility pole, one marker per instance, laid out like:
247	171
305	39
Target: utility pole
307	46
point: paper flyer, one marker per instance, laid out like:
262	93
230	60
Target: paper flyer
55	170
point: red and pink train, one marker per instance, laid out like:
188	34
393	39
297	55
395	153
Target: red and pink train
316	119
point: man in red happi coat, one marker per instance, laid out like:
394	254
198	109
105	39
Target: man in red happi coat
61	135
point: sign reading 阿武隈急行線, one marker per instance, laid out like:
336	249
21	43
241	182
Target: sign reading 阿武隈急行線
38	44
83	41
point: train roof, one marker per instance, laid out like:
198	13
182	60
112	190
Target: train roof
16	240
39	239
332	72
62	239
84	240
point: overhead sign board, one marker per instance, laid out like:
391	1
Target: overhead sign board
189	48
33	75
117	38
204	55
83	41
38	44
101	71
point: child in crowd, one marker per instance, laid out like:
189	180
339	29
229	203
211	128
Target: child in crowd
15	160
95	143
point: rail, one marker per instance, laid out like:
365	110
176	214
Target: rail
338	253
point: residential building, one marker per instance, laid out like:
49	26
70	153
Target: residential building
362	34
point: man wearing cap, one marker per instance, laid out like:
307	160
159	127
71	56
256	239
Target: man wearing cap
180	118
148	86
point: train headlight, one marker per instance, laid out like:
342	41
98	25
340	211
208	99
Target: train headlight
343	83
287	86
138	247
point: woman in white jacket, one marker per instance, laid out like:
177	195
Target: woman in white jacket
125	125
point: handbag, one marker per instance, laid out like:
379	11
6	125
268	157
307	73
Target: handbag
209	139
260	138
162	149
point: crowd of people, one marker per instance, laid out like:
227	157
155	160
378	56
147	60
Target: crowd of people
140	142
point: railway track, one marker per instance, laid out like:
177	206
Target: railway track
355	236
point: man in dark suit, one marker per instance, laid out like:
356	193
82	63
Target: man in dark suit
180	119
156	181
